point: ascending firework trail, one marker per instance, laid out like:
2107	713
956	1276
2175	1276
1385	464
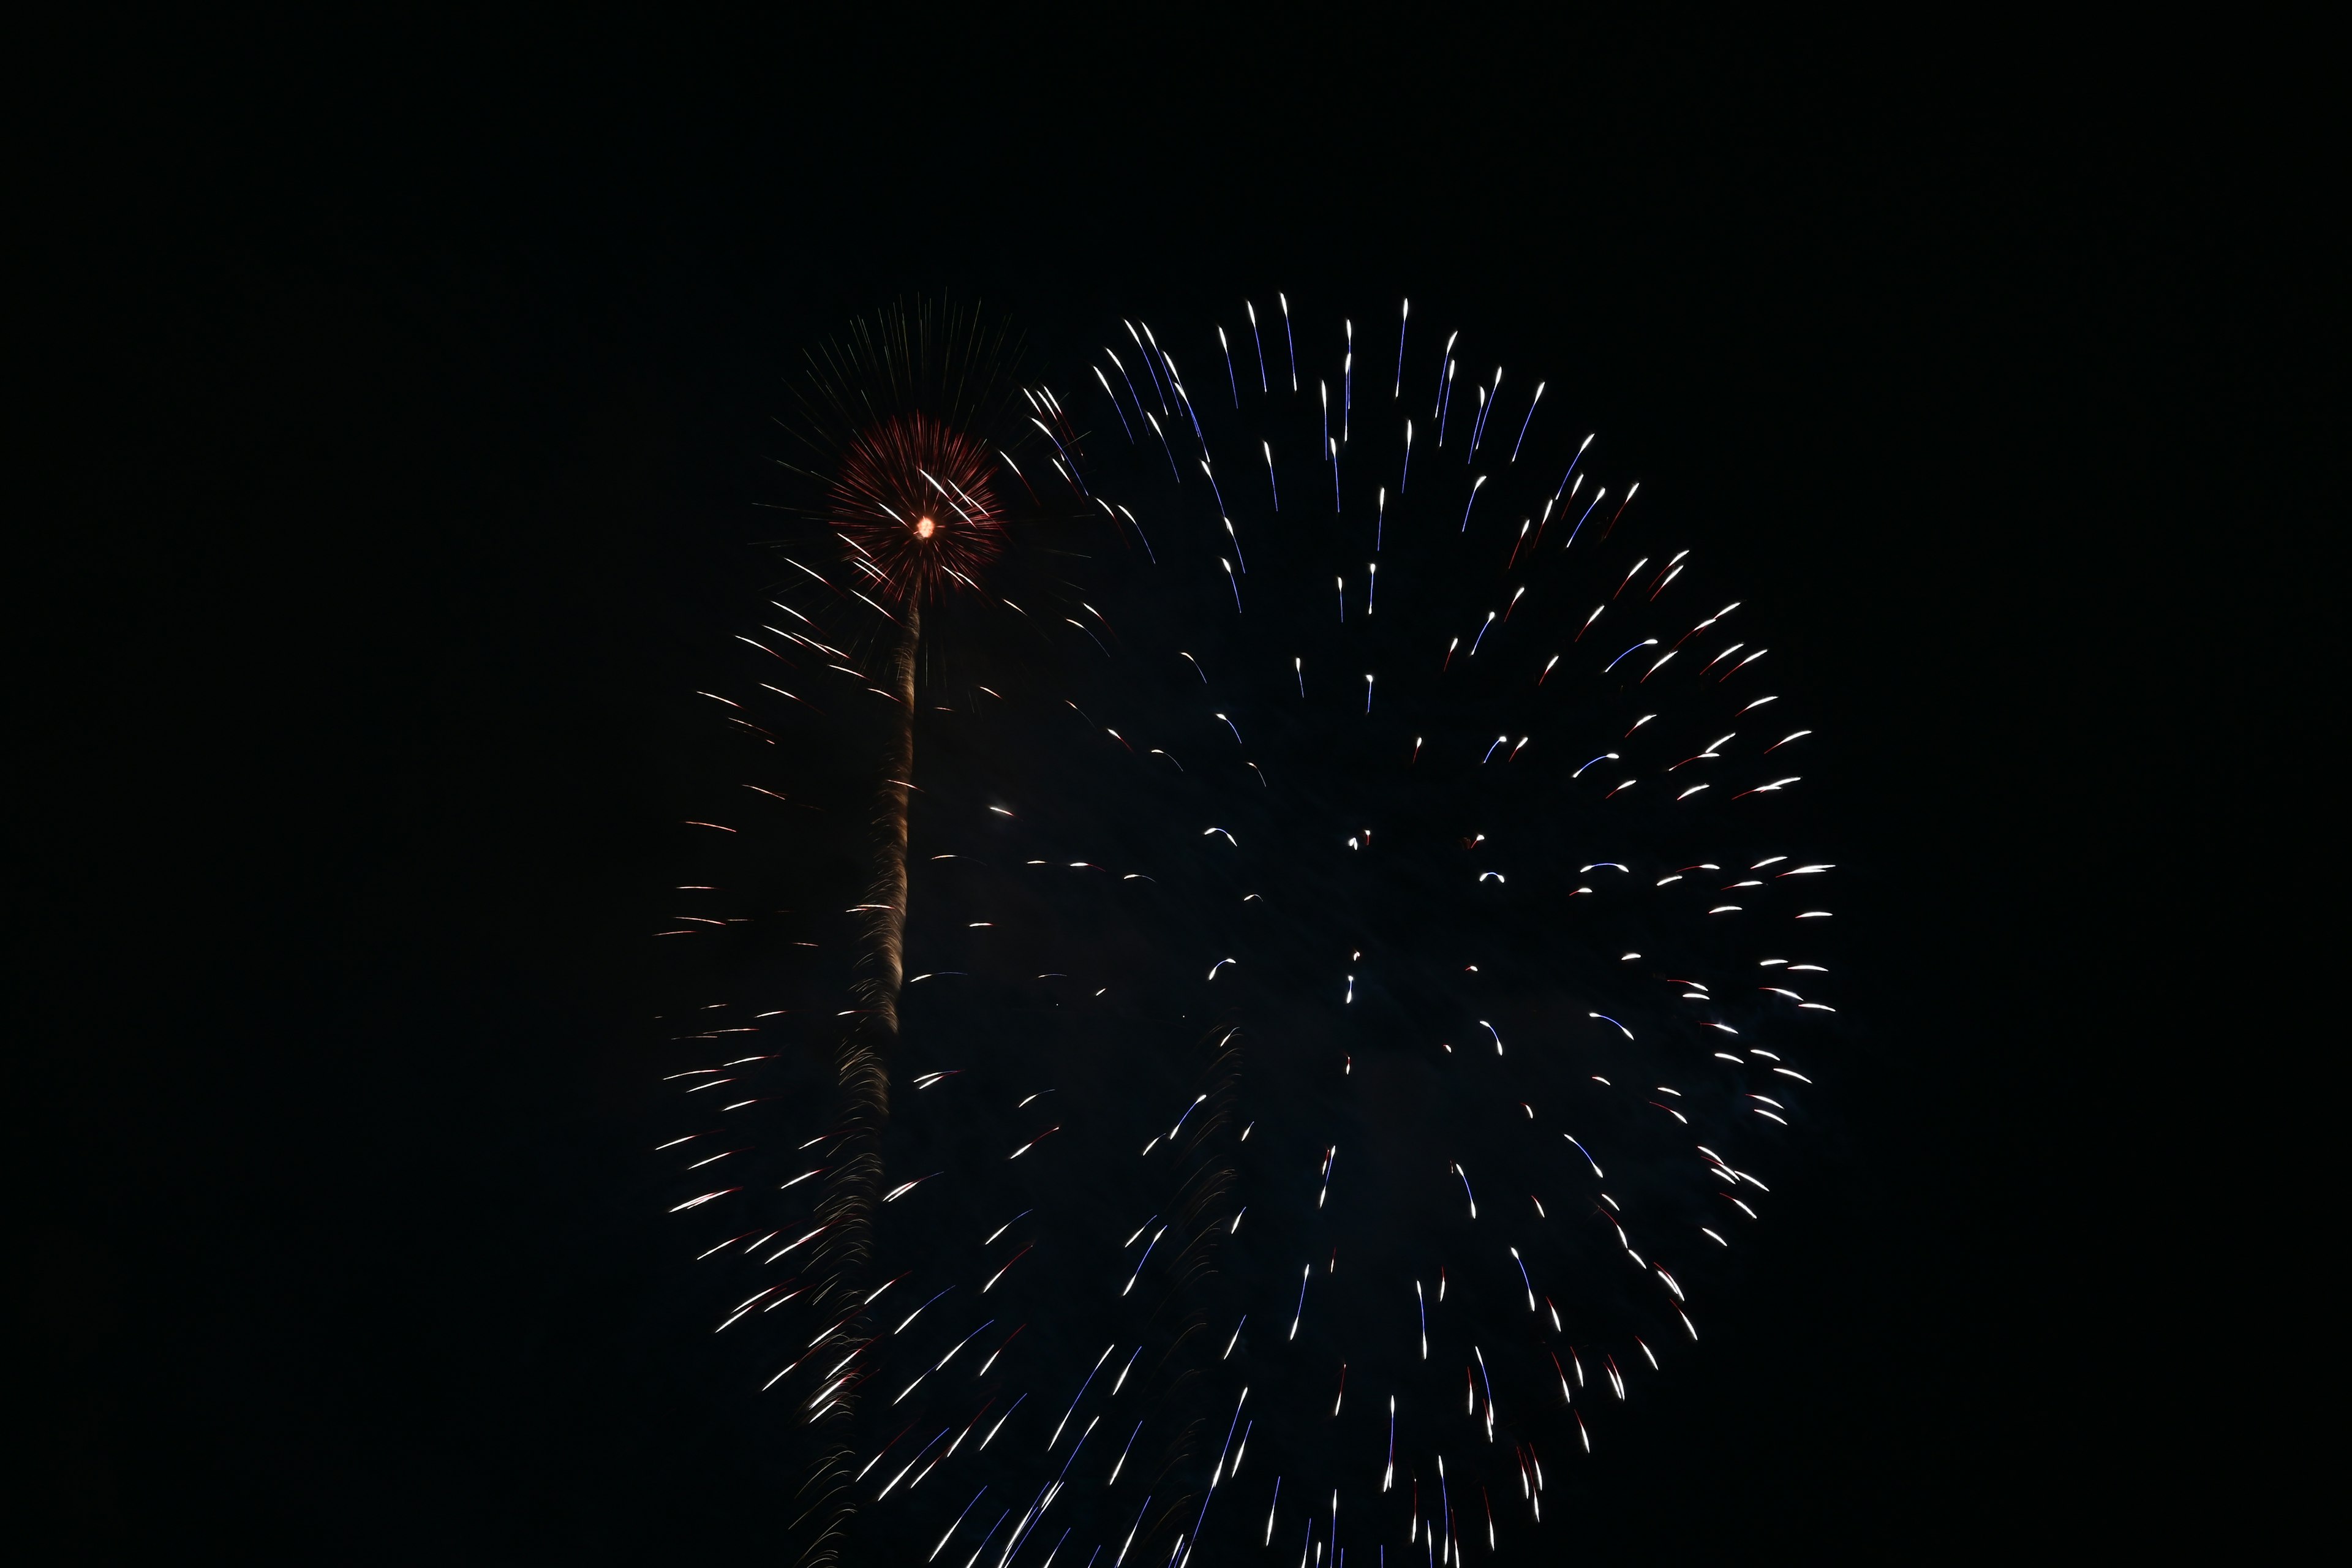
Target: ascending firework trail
1365	953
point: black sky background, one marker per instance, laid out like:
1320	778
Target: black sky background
412	394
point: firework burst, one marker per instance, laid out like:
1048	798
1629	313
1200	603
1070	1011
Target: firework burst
1369	971
916	501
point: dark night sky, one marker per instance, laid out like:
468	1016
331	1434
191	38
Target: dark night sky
414	394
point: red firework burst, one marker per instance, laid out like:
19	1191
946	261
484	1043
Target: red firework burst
914	499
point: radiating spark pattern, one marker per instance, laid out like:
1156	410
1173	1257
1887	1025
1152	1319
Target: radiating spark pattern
916	501
1494	1004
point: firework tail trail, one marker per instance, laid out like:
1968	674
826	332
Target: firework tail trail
862	1079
